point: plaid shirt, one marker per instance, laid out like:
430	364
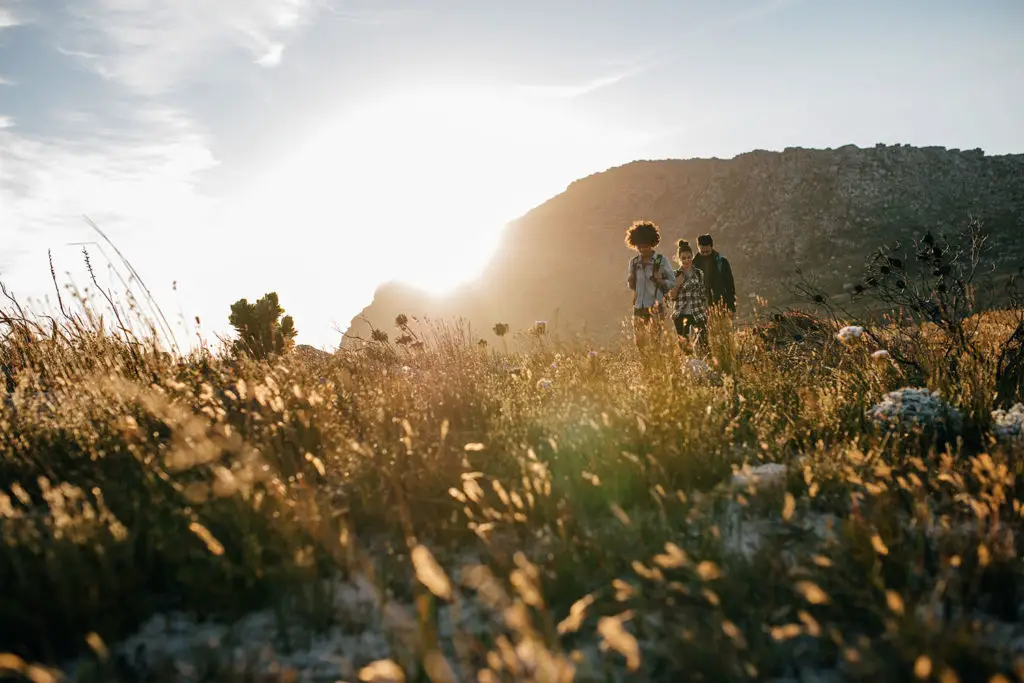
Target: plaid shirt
690	295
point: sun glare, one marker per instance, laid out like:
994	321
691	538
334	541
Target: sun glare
440	173
418	186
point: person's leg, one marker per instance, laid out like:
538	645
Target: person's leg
700	337
688	330
680	325
641	328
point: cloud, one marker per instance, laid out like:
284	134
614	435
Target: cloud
137	179
611	72
585	88
131	160
17	13
152	158
273	56
657	57
8	18
152	46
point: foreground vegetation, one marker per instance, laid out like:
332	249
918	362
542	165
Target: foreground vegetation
448	511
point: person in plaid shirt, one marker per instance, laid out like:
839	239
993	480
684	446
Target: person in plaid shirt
690	312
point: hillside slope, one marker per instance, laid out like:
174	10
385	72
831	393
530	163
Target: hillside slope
770	212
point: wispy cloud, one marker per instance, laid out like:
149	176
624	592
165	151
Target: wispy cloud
139	188
273	56
572	91
131	160
17	13
151	46
656	57
155	153
7	17
611	71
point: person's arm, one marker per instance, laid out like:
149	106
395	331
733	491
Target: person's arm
678	285
707	287
729	284
631	278
668	276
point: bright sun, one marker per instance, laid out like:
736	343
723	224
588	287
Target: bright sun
441	172
418	186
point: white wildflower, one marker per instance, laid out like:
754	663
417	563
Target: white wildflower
850	332
1008	425
915	407
697	367
544	383
700	371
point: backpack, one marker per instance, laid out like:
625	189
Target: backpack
719	259
656	263
655	267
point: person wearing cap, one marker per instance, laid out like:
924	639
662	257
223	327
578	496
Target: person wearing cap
718	279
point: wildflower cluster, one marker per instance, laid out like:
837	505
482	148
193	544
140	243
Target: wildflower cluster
1009	424
915	407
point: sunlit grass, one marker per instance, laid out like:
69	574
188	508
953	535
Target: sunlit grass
554	514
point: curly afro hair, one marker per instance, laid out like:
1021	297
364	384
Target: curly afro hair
643	233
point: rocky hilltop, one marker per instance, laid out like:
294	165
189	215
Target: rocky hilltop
822	210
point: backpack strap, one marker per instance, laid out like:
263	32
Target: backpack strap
655	262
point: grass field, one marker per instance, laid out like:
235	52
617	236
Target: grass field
453	511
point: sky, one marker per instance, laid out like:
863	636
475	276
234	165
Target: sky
319	148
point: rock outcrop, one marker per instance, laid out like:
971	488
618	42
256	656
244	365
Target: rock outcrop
823	211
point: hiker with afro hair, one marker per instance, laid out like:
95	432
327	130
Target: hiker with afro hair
650	276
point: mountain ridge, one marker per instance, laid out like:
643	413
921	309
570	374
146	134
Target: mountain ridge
821	210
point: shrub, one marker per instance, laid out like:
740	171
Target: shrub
262	331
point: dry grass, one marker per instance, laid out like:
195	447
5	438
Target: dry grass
582	501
